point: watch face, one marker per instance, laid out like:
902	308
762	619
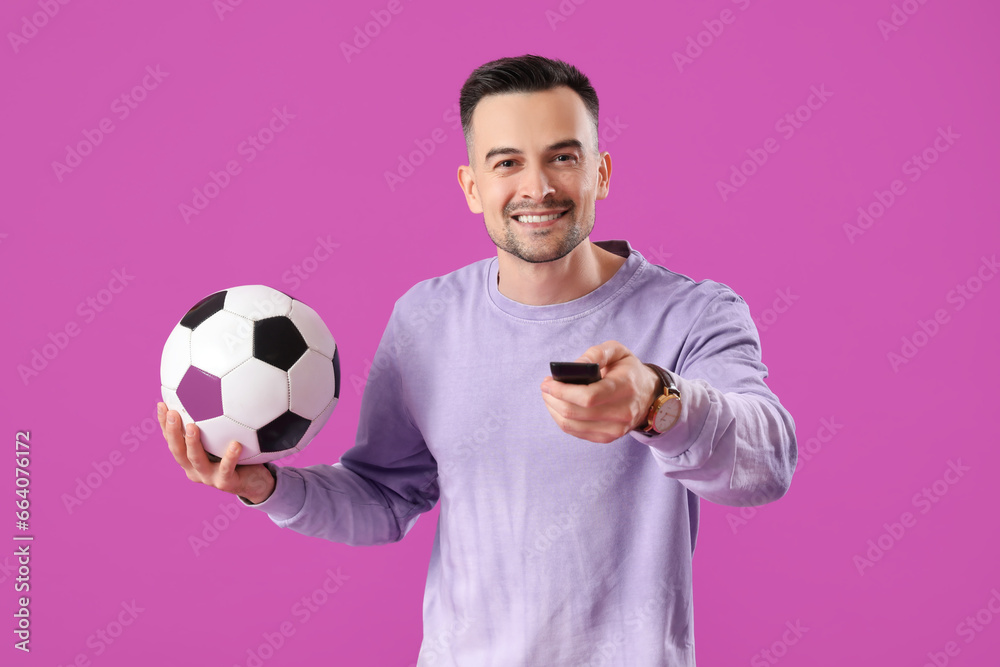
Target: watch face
667	415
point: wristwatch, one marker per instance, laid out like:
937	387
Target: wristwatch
666	408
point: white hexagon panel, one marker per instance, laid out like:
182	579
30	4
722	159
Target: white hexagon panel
218	432
176	356
256	302
255	365
315	333
308	383
221	343
255	393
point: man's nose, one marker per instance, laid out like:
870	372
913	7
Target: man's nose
534	184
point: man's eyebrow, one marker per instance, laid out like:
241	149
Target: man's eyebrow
506	150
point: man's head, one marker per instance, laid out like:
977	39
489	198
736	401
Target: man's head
531	130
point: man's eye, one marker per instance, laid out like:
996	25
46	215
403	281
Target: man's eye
500	164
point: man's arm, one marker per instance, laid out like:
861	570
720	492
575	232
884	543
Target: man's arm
734	443
376	492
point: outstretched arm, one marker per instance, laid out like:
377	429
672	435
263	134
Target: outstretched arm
733	444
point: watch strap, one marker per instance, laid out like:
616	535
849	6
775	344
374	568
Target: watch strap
669	387
667	378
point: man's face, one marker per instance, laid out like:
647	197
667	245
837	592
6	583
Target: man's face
535	153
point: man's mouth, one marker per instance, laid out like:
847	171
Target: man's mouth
539	218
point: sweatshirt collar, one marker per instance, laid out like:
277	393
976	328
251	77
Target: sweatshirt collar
580	306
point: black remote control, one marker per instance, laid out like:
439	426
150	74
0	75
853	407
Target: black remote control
575	372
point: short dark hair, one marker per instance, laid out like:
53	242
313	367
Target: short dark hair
523	74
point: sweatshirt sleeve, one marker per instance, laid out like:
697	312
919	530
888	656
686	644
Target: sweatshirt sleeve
378	489
734	443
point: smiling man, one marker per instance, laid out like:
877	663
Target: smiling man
569	513
538	197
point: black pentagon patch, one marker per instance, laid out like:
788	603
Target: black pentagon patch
277	342
336	372
203	310
283	433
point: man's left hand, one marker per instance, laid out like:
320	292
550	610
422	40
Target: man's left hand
606	410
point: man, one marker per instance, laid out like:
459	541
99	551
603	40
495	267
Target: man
569	513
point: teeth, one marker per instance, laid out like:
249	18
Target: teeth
538	218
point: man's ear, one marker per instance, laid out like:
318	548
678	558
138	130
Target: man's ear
467	181
604	175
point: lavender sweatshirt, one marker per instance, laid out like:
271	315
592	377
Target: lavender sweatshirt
550	550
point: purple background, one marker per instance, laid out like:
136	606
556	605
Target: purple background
831	307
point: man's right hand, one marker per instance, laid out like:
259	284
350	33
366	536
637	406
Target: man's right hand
251	481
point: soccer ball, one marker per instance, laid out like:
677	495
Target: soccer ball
252	364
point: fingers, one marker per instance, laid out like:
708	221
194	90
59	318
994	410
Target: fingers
581	413
595	431
583	395
196	452
604	423
170	422
227	466
189	452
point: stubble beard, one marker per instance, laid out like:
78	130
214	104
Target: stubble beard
543	245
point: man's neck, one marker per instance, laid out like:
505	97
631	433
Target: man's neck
577	274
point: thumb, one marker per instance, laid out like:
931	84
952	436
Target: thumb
605	353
